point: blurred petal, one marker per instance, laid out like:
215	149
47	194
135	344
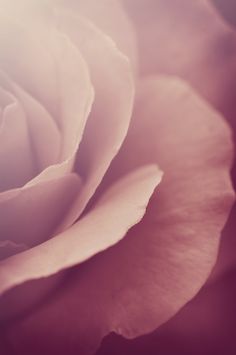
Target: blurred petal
227	9
142	281
17	160
44	134
22	51
75	92
9	248
188	39
111	113
63	87
74	103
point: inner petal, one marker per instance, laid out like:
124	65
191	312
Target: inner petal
30	214
5	100
16	156
47	65
45	135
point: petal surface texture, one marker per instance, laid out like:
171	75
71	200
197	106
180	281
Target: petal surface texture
146	278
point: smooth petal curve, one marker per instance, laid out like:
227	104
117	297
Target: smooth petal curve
29	215
111	112
180	246
122	206
22	50
9	248
111	17
76	97
64	88
205	326
16	157
44	134
142	281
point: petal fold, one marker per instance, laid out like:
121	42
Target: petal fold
29	215
136	285
122	206
110	116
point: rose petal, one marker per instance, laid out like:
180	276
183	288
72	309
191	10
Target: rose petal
16	159
29	215
110	117
9	248
63	87
110	16
5	98
226	257
76	97
44	134
120	208
76	91
143	280
193	146
205	326
188	39
22	51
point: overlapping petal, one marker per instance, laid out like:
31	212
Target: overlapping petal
109	119
120	208
111	17
29	215
52	133
16	158
43	134
206	325
68	83
142	281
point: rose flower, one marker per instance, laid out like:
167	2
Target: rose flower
115	166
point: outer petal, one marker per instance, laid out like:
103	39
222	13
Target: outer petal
205	326
189	39
142	281
226	257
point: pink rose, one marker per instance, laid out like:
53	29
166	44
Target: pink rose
115	164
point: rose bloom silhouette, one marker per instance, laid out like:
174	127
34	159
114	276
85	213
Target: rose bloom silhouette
116	151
